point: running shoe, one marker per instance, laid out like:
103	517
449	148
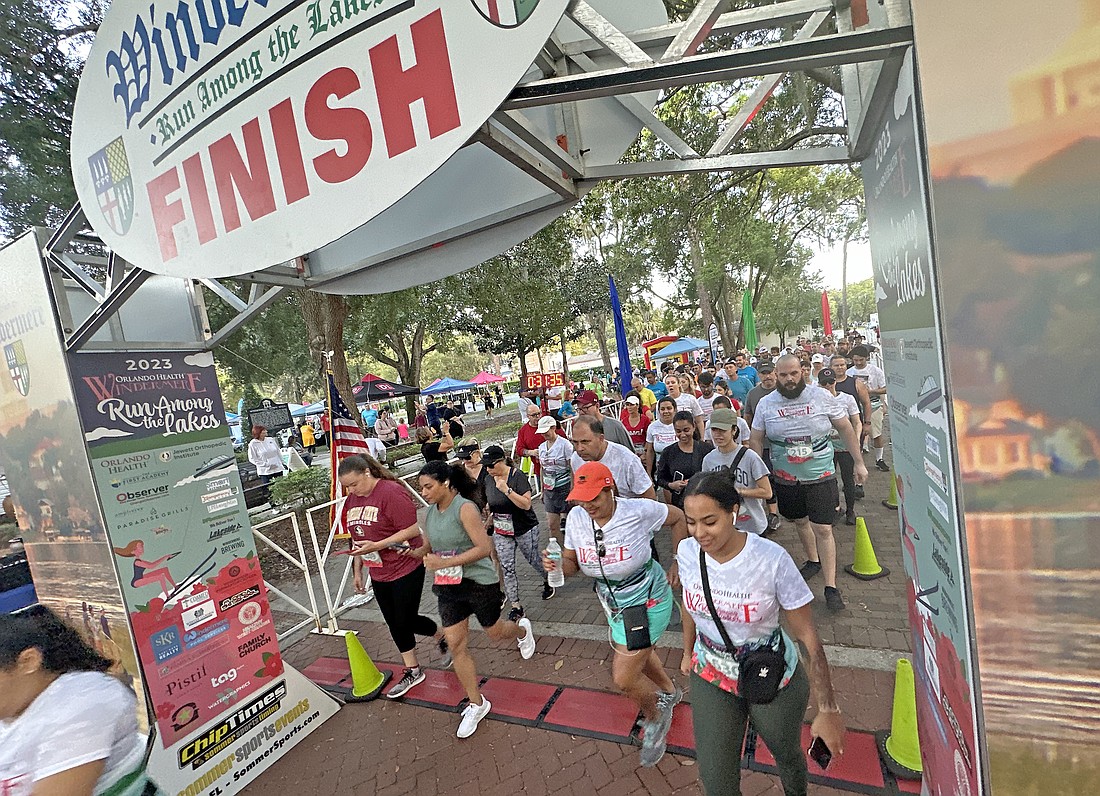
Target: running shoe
860	494
674	698
655	734
773	523
850	517
809	569
882	465
527	643
472	715
516	613
833	600
409	678
445	651
548	591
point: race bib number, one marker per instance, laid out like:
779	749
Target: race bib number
448	576
503	524
799	453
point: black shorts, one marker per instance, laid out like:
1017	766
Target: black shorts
817	500
469	598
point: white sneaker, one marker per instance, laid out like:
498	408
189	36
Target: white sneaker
527	643
472	715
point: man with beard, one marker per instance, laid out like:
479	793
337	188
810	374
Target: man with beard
797	419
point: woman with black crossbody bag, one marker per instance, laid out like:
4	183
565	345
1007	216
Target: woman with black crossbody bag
743	663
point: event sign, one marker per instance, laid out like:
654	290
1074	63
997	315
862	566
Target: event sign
177	522
218	138
272	416
713	340
924	449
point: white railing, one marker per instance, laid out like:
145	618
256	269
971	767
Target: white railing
311	614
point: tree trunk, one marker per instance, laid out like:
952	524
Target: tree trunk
564	359
598	322
844	289
706	304
324	316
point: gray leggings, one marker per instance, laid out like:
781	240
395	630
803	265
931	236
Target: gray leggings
720	718
528	544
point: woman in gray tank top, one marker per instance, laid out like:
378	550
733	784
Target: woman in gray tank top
457	553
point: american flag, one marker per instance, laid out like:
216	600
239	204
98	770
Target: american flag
345	439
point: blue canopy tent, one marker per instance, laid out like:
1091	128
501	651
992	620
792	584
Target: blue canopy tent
685	345
316	408
448	385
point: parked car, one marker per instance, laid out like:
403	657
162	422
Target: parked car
256	492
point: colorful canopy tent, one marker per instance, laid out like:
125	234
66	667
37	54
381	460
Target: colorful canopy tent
485	377
447	385
684	345
375	388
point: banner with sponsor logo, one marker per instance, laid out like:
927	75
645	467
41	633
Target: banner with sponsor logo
222	141
177	522
923	446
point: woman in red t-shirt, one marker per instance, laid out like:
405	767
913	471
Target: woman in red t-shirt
381	517
635	421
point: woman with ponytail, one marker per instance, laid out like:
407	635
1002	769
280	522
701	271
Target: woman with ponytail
67	728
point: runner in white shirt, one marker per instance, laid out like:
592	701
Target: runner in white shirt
608	538
625	466
875	379
660	433
845	462
753	484
684	402
743	431
557	475
752	583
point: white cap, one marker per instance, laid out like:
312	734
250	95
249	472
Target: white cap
633	399
545	424
817	358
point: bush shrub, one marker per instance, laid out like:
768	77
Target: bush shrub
302	488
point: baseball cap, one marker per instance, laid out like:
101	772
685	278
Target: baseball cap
765	367
633	399
492	455
590	479
817	358
826	376
587	397
723	419
545	424
464	452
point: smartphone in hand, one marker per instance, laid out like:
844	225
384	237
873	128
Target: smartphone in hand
820	753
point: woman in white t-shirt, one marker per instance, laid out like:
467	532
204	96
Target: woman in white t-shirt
66	727
685	402
753	582
608	538
660	434
265	453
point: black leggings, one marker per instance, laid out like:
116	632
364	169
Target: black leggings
847	466
399	602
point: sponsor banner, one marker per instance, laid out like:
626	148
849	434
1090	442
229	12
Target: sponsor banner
223	755
181	538
212	143
924	447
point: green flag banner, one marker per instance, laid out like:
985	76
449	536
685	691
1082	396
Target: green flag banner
748	323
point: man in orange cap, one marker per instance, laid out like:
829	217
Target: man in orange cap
608	538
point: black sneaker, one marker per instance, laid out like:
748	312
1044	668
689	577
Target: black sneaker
773	523
833	600
809	569
409	678
882	465
860	494
548	591
850	517
515	614
445	651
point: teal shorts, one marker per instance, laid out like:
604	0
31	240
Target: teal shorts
659	613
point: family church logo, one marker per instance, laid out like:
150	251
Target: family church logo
506	13
16	357
114	187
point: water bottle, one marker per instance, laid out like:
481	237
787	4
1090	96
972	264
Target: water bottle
556	576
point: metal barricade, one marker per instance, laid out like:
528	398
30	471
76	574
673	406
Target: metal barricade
312	614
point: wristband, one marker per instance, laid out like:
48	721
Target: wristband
833	709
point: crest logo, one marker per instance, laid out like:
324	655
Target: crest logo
114	186
506	13
16	357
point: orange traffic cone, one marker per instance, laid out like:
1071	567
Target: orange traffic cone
866	566
366	679
900	748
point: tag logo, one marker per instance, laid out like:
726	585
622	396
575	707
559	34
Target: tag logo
114	186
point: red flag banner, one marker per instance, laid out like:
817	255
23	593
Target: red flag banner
826	315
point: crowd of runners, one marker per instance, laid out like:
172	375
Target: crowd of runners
711	455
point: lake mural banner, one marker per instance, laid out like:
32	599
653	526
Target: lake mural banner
1015	194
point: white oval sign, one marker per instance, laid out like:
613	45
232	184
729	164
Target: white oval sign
219	137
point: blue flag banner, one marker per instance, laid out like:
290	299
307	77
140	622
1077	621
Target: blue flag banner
626	374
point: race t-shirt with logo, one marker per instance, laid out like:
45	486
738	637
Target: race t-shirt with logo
748	591
873	377
80	718
688	403
626	537
707	404
850	408
555	463
637	432
626	468
385	511
799	430
661	435
752	518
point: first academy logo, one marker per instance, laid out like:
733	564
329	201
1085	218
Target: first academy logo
114	186
506	13
16	357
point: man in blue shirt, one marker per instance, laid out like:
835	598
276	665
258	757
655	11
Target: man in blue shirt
658	388
746	370
370	416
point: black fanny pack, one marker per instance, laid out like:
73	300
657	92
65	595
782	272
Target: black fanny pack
760	670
